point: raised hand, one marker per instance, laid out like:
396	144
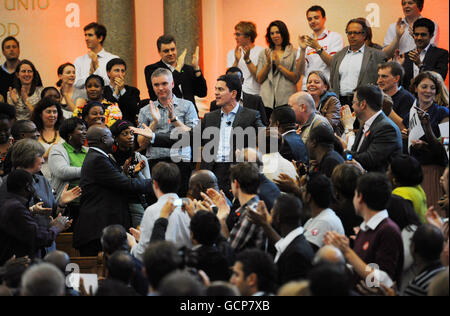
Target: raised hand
196	58
154	112
313	43
168	208
347	117
276	59
302	42
415	58
68	196
246	50
40	209
61	222
260	216
180	61
237	53
400	28
14	95
143	131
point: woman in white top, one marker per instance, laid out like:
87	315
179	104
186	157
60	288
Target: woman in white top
26	91
69	94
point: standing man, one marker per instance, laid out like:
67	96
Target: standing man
317	50
94	62
118	92
245	55
412	10
11	51
188	80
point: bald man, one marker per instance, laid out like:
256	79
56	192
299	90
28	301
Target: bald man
200	181
105	192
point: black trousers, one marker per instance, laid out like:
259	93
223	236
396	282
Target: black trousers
90	249
222	172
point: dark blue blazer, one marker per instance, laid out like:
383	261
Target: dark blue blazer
293	148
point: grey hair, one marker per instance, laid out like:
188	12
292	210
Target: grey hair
25	152
162	72
43	279
304	98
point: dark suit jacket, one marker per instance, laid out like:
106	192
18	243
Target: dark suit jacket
244	118
104	200
383	142
250	101
296	261
128	103
267	191
293	148
369	68
436	59
190	84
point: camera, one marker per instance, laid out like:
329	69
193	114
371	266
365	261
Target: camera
349	157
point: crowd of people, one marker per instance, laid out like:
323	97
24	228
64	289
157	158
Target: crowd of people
339	187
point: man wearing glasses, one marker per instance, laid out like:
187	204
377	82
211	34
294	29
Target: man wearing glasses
245	55
425	56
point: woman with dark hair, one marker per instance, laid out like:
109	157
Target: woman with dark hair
406	175
94	90
71	96
428	150
27	90
47	116
135	165
52	93
278	69
66	159
327	102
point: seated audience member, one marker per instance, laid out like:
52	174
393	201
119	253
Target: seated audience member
355	65
114	238
273	163
117	91
327	103
329	254
390	78
319	195
11	51
66	159
188	80
181	283
70	95
48	116
43	279
305	113
7	117
426	247
406	175
425	56
278	68
379	139
135	166
293	147
11	273
166	181
205	233
254	273
430	154
19	130
105	192
344	178
20	232
412	10
160	259
250	101
246	56
268	191
60	260
329	280
241	233
200	181
120	267
26	91
379	240
221	288
320	145
94	89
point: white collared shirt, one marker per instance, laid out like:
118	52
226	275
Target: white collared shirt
317	227
407	42
367	126
374	221
121	92
83	67
274	164
283	243
331	42
226	129
349	70
172	68
100	151
422	57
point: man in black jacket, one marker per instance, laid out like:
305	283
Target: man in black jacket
425	56
117	91
189	80
105	190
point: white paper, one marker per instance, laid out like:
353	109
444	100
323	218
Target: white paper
445	134
73	281
415	126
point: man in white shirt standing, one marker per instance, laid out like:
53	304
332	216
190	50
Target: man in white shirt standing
245	55
317	50
94	62
412	10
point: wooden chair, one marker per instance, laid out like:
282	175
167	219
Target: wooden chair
64	243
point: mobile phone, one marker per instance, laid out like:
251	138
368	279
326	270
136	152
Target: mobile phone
178	202
349	157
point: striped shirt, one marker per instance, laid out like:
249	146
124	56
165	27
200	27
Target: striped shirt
419	285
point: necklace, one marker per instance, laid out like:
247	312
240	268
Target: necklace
52	141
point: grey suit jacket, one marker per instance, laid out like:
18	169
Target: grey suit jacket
369	67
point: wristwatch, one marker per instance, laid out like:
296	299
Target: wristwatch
248	61
319	51
174	119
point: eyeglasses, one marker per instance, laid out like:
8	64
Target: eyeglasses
421	34
239	34
353	33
